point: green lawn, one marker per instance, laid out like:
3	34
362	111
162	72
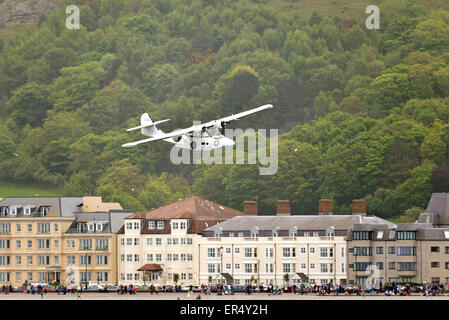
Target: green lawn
7	190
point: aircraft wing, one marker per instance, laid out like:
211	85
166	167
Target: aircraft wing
164	136
239	115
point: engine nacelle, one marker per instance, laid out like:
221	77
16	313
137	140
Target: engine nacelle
218	124
177	139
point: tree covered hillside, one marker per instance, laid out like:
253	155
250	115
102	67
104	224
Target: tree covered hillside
364	113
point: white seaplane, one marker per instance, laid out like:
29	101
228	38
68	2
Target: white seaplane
205	136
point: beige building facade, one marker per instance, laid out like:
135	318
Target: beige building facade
279	250
56	240
411	252
160	247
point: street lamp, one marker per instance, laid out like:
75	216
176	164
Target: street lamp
221	267
355	263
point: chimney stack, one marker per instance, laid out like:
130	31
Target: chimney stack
359	207
250	208
283	208
325	207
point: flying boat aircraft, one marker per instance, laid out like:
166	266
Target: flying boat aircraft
205	136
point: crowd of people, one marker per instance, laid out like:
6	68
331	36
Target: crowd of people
389	289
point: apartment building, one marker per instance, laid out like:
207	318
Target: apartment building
279	249
410	252
58	239
161	246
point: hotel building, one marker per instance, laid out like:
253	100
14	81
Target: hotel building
410	252
279	249
161	246
58	239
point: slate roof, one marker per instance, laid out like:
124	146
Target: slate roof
60	206
439	203
302	222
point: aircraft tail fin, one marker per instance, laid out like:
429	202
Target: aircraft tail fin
148	127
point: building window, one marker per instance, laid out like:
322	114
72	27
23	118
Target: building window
380	265
406	266
435	280
136	241
30	276
362	235
136	225
303	250
30	260
324	268
129	241
85	260
269	252
211	252
406	251
19	228
228	250
237	266
269	267
312	266
85	244
101	244
129	257
312	250
160	224
18	244
149	241
151	224
175	241
434	249
30	228
56	227
379	250
129	225
391	250
343	267
158	241
19	260
323	252
316	234
361	266
211	267
406	235
175	225
43	228
362	251
189	241
158	257
342	252
19	276
435	264
149	257
237	250
286	268
391	266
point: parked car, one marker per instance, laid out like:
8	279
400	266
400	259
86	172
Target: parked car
95	287
112	288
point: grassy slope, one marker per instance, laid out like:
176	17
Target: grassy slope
26	191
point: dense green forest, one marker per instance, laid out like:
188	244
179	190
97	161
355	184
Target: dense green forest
363	113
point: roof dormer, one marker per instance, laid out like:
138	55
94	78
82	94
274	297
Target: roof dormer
27	210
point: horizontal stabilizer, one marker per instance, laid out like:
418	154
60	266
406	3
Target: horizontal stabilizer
148	125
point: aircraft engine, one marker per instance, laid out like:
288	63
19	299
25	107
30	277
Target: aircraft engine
177	139
220	125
